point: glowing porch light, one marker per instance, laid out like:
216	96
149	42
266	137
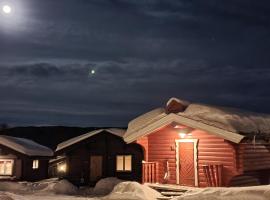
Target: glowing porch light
177	126
182	135
62	167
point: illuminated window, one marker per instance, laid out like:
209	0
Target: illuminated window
35	164
124	163
6	167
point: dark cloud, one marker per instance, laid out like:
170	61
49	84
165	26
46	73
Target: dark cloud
143	52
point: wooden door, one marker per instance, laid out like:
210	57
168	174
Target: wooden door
95	168
186	164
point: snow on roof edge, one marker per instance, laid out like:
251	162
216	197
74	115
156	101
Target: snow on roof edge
225	119
145	130
74	140
25	146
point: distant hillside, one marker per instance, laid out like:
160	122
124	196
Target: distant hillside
49	136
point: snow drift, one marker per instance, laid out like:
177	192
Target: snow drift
5	197
105	186
132	191
50	186
237	193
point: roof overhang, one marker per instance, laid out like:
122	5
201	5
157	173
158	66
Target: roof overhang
85	136
170	118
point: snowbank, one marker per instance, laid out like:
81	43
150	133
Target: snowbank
105	186
61	187
237	193
132	191
5	197
51	186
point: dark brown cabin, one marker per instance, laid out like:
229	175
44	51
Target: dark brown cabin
201	145
23	159
98	154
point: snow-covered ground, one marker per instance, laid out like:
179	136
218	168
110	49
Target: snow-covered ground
233	193
115	189
53	189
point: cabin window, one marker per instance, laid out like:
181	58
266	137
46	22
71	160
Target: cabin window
6	167
124	163
35	164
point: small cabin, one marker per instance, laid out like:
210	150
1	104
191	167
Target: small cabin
23	159
98	154
201	145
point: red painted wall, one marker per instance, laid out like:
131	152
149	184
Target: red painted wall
160	146
144	143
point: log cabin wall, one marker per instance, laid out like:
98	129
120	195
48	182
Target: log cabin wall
254	156
144	143
254	161
30	174
161	147
23	165
108	146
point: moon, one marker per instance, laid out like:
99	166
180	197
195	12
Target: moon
6	9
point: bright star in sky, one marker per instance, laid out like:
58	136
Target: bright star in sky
92	72
6	9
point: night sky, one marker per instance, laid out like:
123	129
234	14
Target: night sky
142	52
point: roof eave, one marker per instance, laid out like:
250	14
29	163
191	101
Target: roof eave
230	136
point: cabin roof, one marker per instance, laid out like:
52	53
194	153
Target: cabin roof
25	146
228	123
115	131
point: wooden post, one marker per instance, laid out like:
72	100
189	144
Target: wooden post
213	175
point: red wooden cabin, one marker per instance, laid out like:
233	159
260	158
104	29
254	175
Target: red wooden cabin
201	145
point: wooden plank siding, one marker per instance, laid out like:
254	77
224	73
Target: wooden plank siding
108	146
161	146
253	157
23	165
144	143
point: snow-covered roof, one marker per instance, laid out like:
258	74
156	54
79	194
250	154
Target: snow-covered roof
115	131
58	158
25	146
229	123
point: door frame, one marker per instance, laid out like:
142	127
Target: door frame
195	151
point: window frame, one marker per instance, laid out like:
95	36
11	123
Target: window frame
124	162
12	167
35	164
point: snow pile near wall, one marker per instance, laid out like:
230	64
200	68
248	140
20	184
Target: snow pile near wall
105	186
132	191
61	187
237	193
